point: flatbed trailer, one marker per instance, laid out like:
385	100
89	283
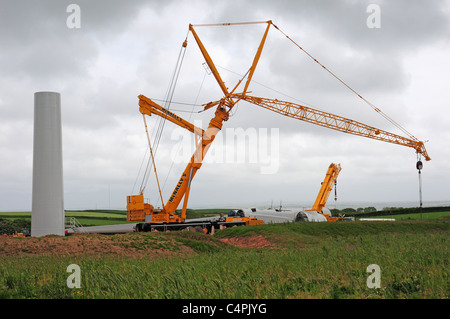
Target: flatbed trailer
206	226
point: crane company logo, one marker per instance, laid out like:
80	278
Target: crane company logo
233	146
175	192
171	114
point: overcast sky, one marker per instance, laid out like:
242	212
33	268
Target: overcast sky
126	48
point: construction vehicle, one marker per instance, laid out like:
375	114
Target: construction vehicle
318	212
167	217
326	187
22	233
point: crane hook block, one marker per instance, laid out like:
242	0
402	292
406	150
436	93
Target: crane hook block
419	165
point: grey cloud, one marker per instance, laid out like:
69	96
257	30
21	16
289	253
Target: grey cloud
36	41
404	23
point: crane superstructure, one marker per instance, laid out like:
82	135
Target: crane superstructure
137	210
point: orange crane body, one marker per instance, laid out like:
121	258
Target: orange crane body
135	203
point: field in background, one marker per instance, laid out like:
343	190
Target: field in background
105	217
111	217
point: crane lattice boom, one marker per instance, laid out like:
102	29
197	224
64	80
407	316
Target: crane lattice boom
335	122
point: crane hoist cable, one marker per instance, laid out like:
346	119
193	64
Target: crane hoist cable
189	119
168	99
169	94
271	89
180	103
348	86
153	161
324	67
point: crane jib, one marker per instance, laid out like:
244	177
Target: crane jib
333	121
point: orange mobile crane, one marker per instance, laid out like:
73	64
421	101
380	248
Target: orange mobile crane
326	187
167	217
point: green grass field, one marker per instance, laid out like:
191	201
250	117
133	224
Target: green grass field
307	260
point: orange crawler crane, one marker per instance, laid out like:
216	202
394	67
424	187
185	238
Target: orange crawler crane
167	217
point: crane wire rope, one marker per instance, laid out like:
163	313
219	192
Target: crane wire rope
153	161
349	87
324	67
140	168
419	163
272	89
180	103
189	119
168	98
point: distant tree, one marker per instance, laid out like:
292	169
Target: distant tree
392	208
370	209
7	227
21	223
335	211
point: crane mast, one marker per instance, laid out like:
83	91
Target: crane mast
137	210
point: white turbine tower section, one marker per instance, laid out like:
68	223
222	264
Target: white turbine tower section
269	216
47	216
